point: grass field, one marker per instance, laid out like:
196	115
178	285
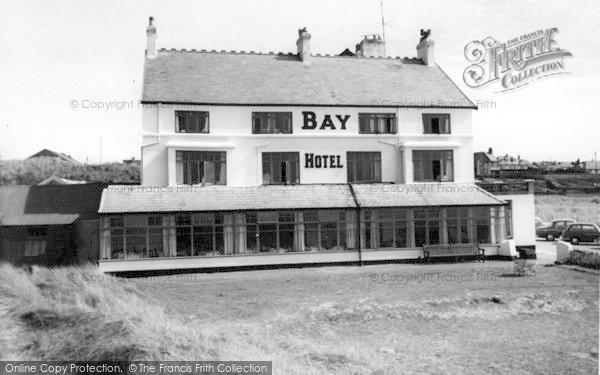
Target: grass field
583	208
440	318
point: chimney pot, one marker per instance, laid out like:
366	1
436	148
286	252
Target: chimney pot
371	46
151	39
303	44
425	48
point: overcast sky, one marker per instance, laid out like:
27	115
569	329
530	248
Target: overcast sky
54	52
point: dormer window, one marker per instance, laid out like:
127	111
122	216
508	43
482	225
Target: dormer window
436	123
191	122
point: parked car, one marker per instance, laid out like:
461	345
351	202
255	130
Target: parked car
554	230
581	232
540	223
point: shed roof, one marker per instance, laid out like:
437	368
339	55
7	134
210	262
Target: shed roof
39	219
20	200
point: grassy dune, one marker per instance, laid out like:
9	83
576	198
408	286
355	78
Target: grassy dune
583	208
49	314
443	318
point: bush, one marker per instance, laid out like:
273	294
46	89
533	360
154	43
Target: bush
585	259
522	268
34	171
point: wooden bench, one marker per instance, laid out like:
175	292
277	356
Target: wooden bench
458	250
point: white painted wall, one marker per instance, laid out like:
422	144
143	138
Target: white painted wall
523	214
233	125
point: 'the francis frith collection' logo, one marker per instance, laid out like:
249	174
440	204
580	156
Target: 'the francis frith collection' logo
514	63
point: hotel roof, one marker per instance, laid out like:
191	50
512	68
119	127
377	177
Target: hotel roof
129	199
423	195
140	199
231	78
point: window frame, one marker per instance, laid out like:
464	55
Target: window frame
295	161
192	226
428	126
317	222
352	165
37	242
420	164
217	157
144	224
272	117
206	117
370	116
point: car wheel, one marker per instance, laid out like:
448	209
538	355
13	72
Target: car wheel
575	240
550	237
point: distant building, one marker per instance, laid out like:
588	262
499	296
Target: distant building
592	166
49	224
53	154
555	166
486	164
132	161
511	163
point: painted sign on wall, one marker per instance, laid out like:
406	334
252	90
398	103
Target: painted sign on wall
322	161
310	121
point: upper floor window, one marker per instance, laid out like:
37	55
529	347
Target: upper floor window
281	168
436	123
433	165
364	167
191	122
272	122
377	123
201	167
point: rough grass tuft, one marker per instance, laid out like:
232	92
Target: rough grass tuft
54	314
307	321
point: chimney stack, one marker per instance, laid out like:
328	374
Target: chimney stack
425	48
151	39
372	46
303	44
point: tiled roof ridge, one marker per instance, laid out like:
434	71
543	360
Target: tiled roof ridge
414	60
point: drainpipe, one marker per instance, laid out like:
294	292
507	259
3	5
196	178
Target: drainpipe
358	229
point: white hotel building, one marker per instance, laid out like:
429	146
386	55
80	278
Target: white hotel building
253	159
